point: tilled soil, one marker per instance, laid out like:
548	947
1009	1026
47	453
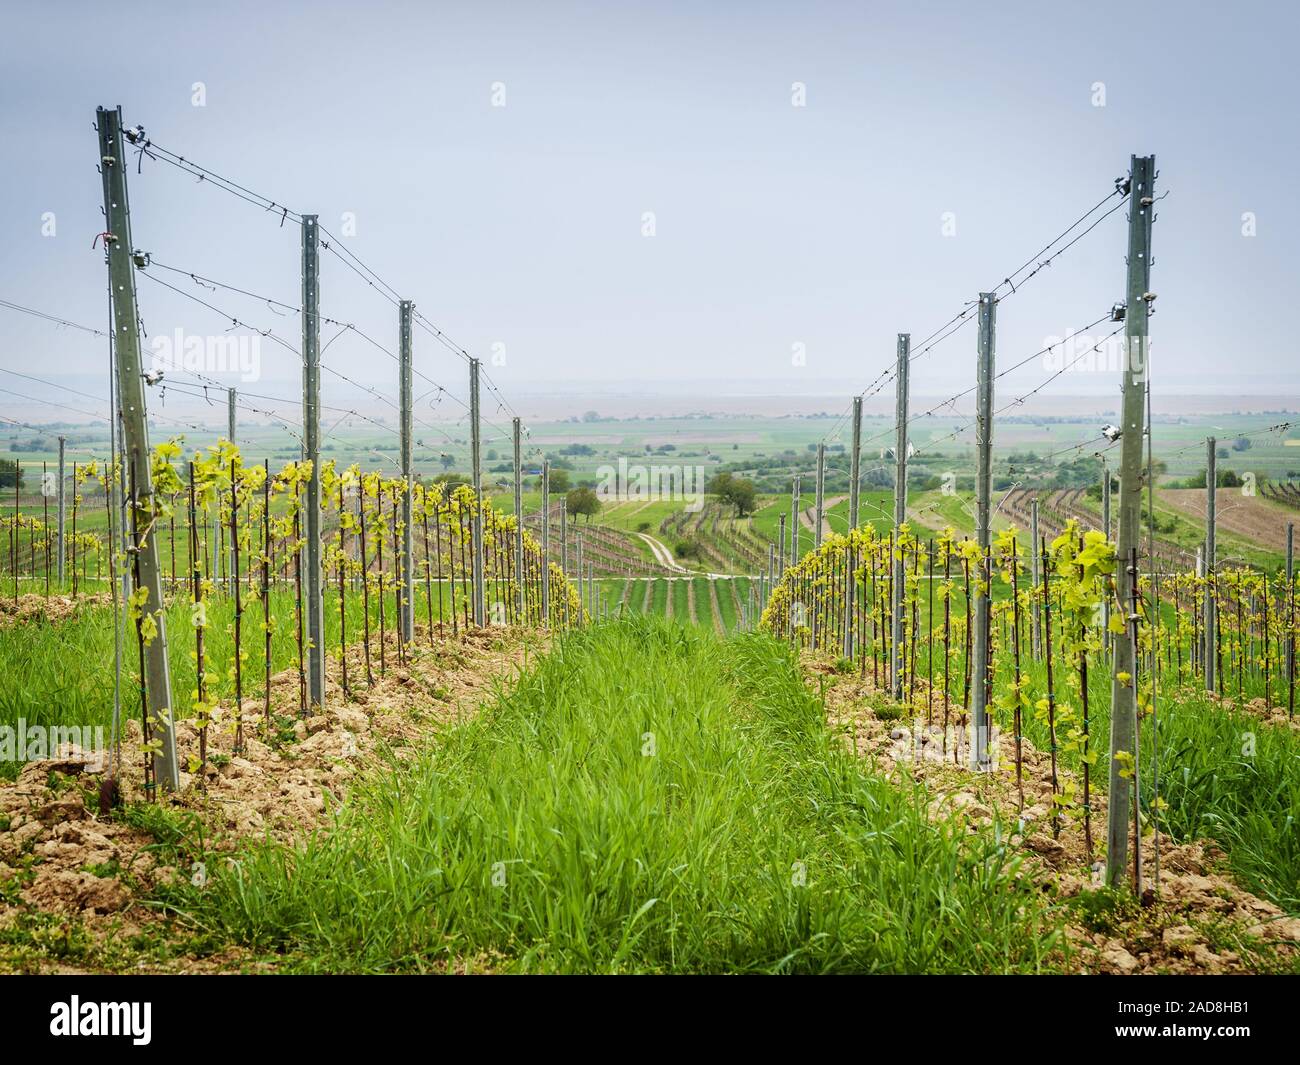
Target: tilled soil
1254	518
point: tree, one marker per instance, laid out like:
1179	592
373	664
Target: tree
582	501
738	492
8	469
687	548
559	480
448	461
1242	443
1223	478
743	496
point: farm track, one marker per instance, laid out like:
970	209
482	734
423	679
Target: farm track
808	516
662	554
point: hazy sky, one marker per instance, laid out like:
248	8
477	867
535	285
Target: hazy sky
774	225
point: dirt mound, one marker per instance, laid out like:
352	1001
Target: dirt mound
54	608
1277	716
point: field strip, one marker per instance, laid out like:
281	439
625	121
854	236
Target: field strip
425	880
718	626
1260	521
32	607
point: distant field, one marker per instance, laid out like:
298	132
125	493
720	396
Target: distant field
1260	521
768	450
717	603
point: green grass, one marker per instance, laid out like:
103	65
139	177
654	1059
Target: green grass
767	518
1228	777
686	811
630	515
703	602
612	589
62	674
726	604
742	585
681	601
636	597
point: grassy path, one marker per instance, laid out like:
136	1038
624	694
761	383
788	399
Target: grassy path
722	621
663	600
680	602
686	811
